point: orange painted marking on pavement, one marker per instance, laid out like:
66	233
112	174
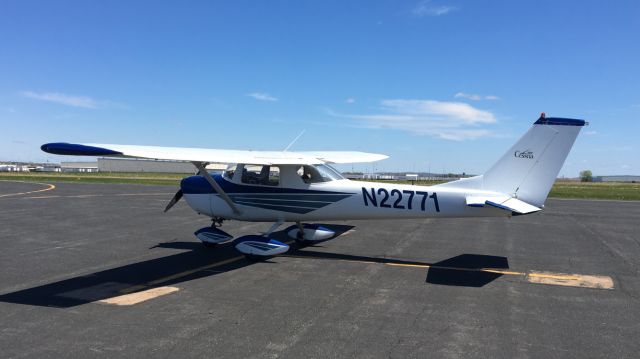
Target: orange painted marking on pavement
49	188
139	297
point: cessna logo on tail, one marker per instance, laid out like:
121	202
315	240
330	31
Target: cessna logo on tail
523	154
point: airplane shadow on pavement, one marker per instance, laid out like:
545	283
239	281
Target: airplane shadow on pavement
466	270
198	262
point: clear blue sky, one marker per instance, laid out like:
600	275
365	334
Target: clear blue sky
442	84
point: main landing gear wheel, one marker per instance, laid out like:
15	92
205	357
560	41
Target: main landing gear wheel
211	236
309	233
254	258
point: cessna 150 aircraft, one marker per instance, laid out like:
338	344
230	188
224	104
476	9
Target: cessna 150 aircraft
299	187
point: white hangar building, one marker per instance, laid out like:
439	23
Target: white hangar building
153	166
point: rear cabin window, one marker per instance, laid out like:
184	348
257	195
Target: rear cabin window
261	175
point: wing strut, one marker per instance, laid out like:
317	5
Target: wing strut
216	186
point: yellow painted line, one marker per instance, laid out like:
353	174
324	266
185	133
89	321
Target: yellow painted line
346	260
139	297
49	188
180	275
189	272
408	265
486	270
500	271
95	292
537	277
100	195
196	270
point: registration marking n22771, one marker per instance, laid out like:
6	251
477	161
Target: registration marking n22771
382	198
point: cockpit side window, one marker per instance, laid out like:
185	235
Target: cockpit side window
309	174
261	175
319	173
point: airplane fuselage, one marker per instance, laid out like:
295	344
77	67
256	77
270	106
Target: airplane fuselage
335	200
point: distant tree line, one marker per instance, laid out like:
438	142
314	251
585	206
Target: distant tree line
586	176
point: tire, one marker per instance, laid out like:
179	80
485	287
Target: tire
255	259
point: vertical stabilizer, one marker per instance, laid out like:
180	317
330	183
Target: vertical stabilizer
529	168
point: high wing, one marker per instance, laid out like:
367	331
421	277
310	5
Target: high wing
211	155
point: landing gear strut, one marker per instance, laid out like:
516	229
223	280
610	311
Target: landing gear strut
300	235
216	222
273	228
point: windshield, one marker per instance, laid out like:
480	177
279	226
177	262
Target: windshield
329	173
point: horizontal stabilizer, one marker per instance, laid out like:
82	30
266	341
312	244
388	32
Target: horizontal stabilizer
503	202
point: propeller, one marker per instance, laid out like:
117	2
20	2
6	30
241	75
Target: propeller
174	200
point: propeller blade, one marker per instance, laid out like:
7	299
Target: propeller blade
174	200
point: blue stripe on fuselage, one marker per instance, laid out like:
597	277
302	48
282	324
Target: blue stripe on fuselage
293	203
199	185
273	198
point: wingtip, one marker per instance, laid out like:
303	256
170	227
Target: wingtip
559	121
74	149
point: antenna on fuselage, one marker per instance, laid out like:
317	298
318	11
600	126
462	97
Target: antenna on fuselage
294	141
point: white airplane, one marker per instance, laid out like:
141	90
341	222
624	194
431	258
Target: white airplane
264	186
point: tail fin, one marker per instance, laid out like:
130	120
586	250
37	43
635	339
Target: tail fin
529	168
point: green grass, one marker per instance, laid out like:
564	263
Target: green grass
159	179
581	190
417	183
596	190
600	190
